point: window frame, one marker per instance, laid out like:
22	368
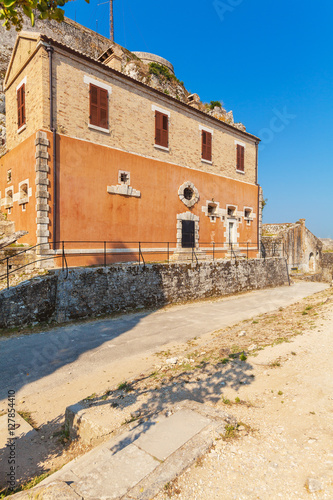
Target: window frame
240	158
160	119
98	124
21	107
206	147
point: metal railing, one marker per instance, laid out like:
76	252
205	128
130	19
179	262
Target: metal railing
87	253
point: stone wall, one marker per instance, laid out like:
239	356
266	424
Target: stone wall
90	292
327	266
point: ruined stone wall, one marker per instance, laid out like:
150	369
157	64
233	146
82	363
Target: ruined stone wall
91	292
302	249
327	266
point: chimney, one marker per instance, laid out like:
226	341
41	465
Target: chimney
193	100
114	61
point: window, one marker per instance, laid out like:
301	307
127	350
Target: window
124	177
99	107
23	192
248	213
161	129
21	106
240	158
206	145
231	211
9	197
9	175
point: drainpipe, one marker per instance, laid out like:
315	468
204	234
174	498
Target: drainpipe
258	209
50	50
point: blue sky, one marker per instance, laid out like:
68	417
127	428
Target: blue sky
270	62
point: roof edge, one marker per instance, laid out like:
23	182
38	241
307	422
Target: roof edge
51	41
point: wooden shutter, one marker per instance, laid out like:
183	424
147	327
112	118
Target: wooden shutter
94	105
206	146
103	108
99	107
240	157
165	131
161	129
21	106
158	128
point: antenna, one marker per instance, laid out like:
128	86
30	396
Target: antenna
111	18
111	22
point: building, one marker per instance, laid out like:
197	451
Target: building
95	155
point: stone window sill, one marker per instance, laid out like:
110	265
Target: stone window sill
240	171
157	146
23	201
22	128
99	129
207	161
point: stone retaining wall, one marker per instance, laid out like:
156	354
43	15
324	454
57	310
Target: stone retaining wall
90	292
327	266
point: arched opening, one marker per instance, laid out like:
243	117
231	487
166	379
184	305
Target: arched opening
312	263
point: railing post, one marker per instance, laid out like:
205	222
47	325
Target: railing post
213	250
63	255
7	272
139	253
104	253
168	252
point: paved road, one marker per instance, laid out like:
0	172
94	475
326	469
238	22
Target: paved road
84	348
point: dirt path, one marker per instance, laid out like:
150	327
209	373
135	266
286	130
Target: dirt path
283	447
281	395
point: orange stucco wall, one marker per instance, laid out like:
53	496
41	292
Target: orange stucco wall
85	211
21	161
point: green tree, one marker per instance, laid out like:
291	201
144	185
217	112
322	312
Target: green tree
12	12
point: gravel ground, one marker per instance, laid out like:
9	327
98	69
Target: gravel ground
283	446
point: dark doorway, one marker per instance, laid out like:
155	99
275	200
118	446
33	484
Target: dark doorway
188	234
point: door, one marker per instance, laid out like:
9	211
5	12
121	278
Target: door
232	226
188	234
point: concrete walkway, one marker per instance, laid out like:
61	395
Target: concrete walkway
94	346
139	462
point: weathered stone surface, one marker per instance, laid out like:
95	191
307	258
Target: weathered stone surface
89	292
9	240
29	302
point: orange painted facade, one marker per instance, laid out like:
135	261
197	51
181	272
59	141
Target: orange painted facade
21	162
95	204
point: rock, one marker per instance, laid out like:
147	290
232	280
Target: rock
242	334
313	485
253	347
172	361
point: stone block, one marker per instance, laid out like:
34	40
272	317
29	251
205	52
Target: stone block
42	232
42	220
41	181
42	154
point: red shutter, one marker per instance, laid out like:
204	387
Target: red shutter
243	158
206	146
240	157
165	131
103	108
94	105
161	129
209	146
21	106
158	128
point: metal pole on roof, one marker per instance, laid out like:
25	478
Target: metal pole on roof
111	22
